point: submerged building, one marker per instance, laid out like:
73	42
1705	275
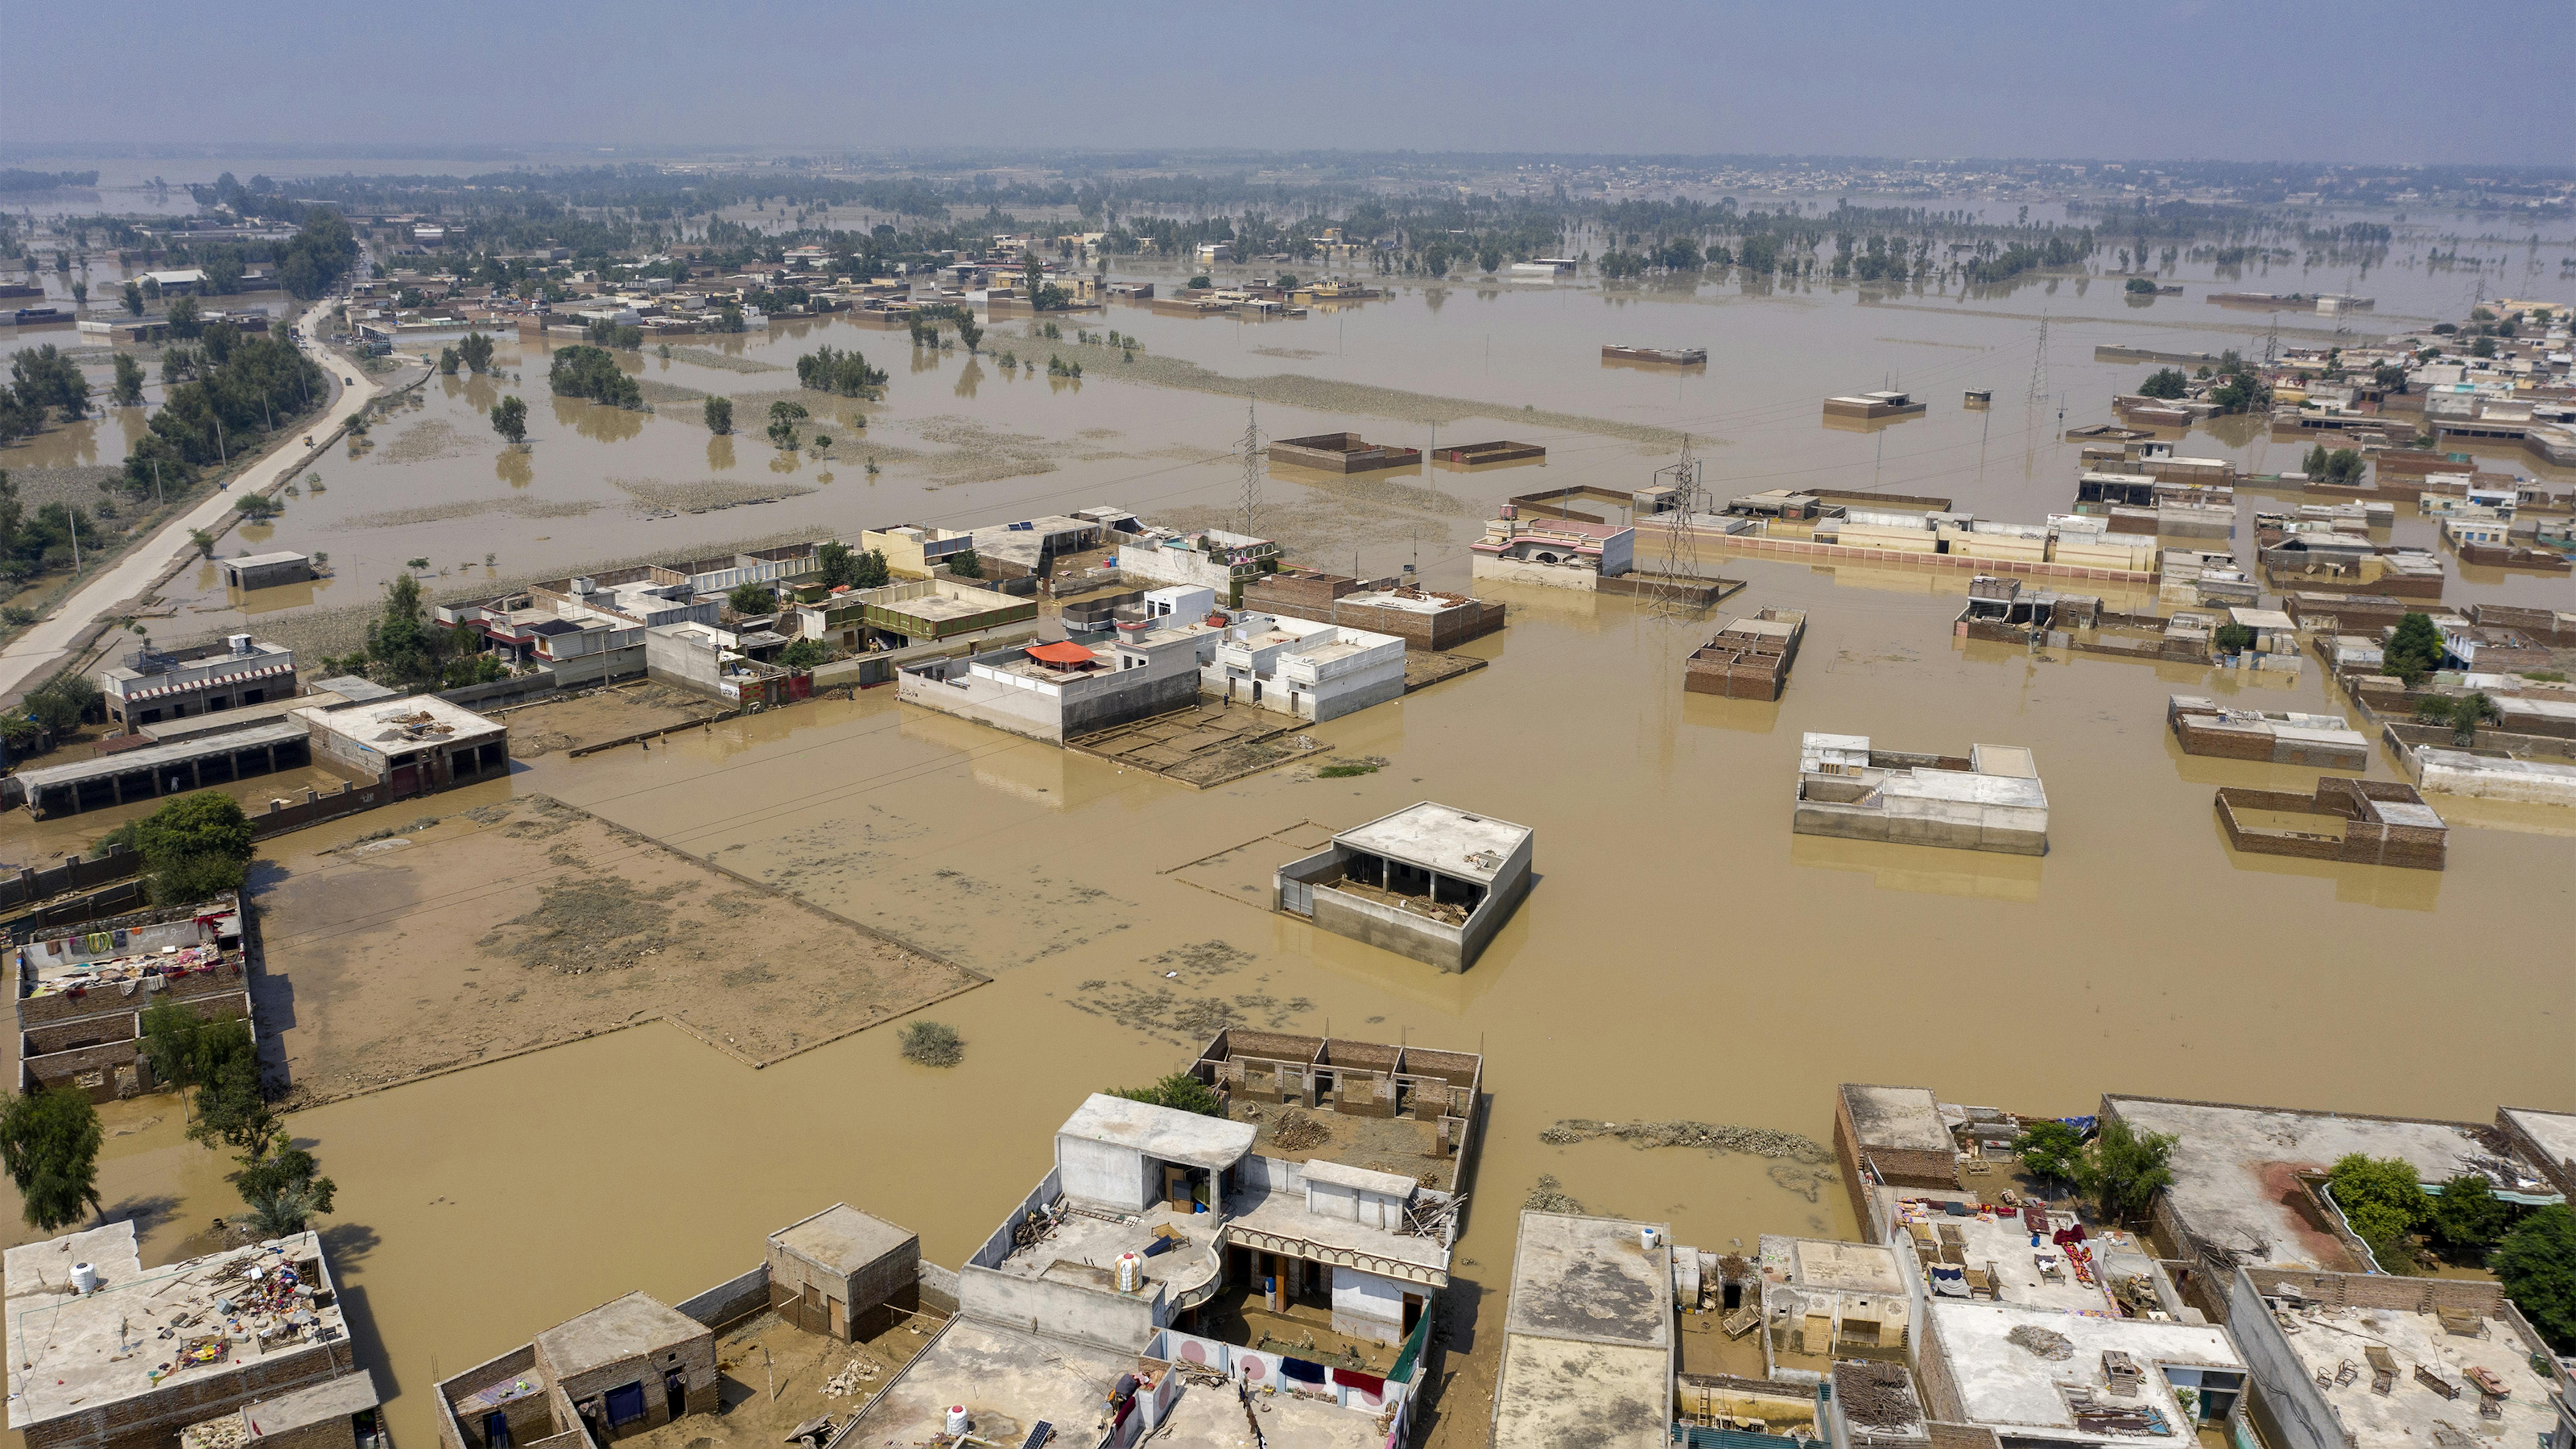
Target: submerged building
1429	881
1990	800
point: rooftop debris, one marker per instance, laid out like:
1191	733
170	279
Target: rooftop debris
1713	1137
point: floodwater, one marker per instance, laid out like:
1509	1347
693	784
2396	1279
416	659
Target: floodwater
1682	955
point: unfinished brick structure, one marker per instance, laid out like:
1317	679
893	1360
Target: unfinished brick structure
1355	1079
82	990
1749	658
1891	1136
1341	453
628	1366
2205	728
2377	822
1425	619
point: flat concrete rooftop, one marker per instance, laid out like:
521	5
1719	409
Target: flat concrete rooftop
1828	1263
842	1238
1897	1118
1442	838
2002	1383
2021	1273
337	1398
2404	1418
635	1326
1592	1280
2232	1167
2554	1131
1162	1133
1553	1392
69	1351
1008	1380
1083	1249
1284	1214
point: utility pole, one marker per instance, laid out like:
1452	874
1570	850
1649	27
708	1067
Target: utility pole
74	515
157	499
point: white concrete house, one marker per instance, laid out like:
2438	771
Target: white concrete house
1309	670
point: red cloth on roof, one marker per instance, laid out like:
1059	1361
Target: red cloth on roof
1060	654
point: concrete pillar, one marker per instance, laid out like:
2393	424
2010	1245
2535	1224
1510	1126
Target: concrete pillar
196	774
116	783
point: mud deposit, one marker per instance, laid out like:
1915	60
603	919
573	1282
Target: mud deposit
529	923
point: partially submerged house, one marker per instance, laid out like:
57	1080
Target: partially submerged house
1990	800
2489	777
265	570
77	1304
928	611
2359	822
82	990
1749	658
413	746
1305	669
1056	690
2203	727
1873	406
157	684
1562	553
1429	881
1341	453
1423	618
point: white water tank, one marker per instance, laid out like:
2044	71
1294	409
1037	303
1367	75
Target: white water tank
84	1278
239	644
957	1421
1646	1238
1131	1272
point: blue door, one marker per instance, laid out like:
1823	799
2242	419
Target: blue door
625	1405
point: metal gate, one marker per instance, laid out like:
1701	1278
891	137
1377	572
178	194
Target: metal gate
1298	897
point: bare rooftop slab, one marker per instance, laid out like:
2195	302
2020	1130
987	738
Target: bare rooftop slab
1449	840
842	1238
2233	1167
1591	1279
1897	1118
1007	1380
1160	1132
634	1326
2003	1384
2407	1416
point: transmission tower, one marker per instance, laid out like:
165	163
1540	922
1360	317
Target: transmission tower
1250	503
1676	591
2039	367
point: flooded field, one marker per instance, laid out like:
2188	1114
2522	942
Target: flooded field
1682	956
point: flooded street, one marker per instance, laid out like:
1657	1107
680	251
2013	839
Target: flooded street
1682	955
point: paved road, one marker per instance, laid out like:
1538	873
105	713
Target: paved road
32	654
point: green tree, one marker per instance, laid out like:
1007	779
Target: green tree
127	390
837	564
2233	638
61	703
752	600
2536	1263
2051	1151
476	350
2165	382
49	1142
719	415
183	319
133	300
2462	712
783	418
585	371
803	655
318	255
46	378
510	419
2414	651
2468	1219
2126	1168
282	1185
2384	1201
170	1033
966	565
194	847
404	649
1180	1091
232	1105
869	570
448	362
2483	347
256	507
969	331
828	369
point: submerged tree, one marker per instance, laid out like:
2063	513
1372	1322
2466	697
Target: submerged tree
49	1142
510	419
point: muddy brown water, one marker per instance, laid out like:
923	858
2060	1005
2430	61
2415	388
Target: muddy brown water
1683	955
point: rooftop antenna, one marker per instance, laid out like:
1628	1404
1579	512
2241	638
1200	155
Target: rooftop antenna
1251	501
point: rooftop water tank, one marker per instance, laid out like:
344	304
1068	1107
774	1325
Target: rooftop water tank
84	1278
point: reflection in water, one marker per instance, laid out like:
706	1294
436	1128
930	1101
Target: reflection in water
969	376
720	451
1925	869
786	460
515	466
597	421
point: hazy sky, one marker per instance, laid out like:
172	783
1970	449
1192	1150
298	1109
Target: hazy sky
2249	80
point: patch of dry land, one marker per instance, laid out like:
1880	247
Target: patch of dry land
530	923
